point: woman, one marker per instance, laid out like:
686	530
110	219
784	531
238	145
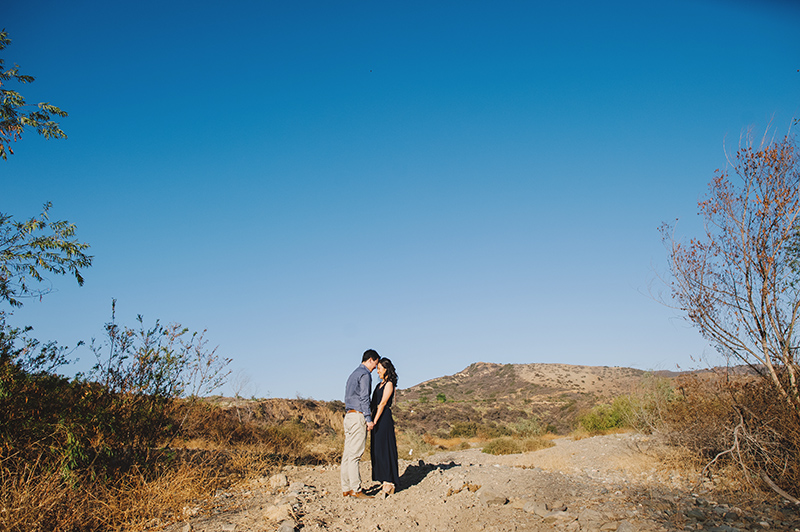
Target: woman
383	445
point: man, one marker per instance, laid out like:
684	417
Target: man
357	421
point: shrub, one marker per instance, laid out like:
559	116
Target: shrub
527	427
536	444
464	430
83	454
603	418
739	421
504	445
509	445
645	409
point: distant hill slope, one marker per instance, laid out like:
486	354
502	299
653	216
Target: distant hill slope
499	394
484	380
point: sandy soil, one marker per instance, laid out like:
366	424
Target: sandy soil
605	483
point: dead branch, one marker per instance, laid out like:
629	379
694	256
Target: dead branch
778	490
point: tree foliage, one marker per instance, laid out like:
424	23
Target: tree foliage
16	114
32	248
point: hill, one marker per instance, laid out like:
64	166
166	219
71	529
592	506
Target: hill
495	395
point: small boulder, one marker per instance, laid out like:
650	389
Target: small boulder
589	517
278	481
536	507
281	512
558	517
489	498
288	526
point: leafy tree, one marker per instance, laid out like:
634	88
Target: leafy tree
16	115
34	247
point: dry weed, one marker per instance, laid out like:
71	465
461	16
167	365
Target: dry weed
36	499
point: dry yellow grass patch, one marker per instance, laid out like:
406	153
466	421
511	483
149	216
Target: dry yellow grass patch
442	443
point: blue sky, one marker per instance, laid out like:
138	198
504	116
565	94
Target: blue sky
445	182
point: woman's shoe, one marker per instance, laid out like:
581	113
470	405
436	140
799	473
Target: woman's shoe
388	488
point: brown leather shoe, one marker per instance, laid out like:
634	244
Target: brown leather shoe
361	495
347	493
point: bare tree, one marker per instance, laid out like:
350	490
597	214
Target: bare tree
739	282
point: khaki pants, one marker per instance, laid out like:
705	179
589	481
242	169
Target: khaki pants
355	439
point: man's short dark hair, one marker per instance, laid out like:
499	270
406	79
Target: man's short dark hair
370	354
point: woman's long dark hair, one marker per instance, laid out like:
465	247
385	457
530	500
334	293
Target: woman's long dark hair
391	374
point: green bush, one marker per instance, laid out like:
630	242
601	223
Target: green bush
602	418
645	409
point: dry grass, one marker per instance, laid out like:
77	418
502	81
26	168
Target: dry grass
741	430
443	443
219	449
35	499
411	446
509	445
581	433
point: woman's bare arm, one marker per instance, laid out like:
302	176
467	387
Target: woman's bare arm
388	388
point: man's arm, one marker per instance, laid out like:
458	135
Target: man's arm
365	383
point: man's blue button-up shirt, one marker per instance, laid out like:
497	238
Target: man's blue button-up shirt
357	391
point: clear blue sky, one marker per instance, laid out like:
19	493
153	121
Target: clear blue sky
445	182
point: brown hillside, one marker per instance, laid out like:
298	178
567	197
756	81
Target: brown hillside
496	395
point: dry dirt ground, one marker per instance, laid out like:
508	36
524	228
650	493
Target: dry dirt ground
604	483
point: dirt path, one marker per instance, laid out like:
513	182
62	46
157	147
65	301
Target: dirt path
605	483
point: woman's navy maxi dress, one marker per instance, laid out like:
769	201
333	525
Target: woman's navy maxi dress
383	445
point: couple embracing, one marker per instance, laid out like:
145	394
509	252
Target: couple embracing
370	414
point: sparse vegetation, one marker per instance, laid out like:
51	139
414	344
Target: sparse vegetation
132	442
738	421
738	284
644	409
509	445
